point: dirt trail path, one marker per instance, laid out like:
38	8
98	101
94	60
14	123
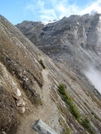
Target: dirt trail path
46	109
47	112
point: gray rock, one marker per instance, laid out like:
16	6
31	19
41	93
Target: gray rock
20	102
42	128
21	110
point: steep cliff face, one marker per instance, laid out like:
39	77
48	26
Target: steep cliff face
33	87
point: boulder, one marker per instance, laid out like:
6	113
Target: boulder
42	128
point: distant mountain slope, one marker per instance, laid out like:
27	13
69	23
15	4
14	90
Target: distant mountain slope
74	43
33	87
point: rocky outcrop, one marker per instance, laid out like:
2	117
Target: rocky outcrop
42	128
20	103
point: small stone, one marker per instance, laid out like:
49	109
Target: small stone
3	132
21	110
15	96
18	93
20	102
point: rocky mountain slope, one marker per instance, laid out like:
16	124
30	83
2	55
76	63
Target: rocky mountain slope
74	44
33	87
75	41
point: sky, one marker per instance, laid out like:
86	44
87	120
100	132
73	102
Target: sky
17	11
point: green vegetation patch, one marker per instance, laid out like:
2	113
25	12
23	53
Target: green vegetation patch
73	109
86	124
68	100
42	64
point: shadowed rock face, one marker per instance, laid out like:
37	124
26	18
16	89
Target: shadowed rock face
32	87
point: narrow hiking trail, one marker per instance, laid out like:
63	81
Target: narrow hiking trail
47	112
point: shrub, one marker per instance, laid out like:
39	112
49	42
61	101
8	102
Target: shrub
73	109
68	100
42	64
86	124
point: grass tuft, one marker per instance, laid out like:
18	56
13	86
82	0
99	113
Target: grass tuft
73	109
42	64
68	100
86	124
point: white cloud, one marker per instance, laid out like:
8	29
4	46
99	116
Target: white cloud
61	8
95	6
44	13
95	78
66	10
48	14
